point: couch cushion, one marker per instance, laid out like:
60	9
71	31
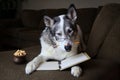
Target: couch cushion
54	12
17	38
86	17
100	69
31	18
111	45
101	27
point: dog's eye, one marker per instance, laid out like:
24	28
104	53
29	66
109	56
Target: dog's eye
59	34
69	31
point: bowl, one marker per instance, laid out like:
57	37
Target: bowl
19	56
19	59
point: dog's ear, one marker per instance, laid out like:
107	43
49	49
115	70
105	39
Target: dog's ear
48	21
72	14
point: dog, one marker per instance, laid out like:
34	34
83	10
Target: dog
58	40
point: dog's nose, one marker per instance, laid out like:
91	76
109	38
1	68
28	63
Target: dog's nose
68	48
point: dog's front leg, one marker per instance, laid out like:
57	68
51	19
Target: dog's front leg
76	71
34	64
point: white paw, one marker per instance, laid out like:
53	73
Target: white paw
30	67
76	71
33	65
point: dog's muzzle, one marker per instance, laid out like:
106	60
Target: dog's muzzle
68	47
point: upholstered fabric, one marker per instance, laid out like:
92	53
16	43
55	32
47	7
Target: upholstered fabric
31	18
103	24
94	69
111	45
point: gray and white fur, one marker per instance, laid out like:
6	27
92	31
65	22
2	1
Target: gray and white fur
58	40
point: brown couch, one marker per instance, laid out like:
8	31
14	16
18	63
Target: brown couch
101	29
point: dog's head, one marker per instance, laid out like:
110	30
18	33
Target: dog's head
63	28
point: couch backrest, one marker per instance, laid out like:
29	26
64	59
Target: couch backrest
104	39
31	18
111	45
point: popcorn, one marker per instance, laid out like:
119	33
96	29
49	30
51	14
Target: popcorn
20	53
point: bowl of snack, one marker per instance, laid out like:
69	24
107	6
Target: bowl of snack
19	56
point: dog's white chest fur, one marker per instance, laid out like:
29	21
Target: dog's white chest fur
56	53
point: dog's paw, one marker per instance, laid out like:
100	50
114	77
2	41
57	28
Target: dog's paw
76	71
33	65
30	67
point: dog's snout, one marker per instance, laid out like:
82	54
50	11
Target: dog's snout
68	48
